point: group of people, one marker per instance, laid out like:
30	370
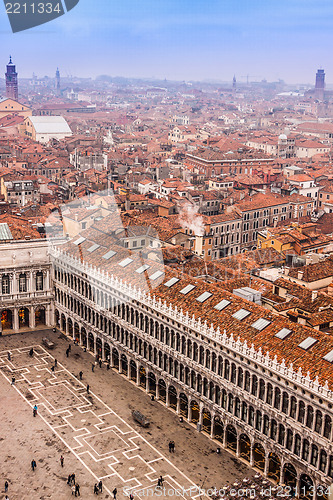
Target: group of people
171	446
71	482
98	488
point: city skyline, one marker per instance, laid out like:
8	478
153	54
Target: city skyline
187	41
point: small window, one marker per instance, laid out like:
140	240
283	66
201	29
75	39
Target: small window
307	343
125	262
187	289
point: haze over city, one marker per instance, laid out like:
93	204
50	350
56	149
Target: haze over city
186	40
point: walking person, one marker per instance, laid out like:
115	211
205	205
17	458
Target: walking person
100	486
73	478
100	363
95	489
13	380
92	367
80	375
69	348
31	352
77	489
6	485
69	479
131	496
62	461
115	494
33	464
172	446
34	411
6	497
55	363
88	388
67	353
9	356
73	488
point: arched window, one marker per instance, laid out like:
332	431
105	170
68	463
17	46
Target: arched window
233	373
254	388
258	420
293	407
237	407
301	412
273	429
269	397
226	369
314	455
297	447
289	442
285	403
251	416
306	450
319	422
247	382
327	427
261	389
309	417
240	377
277	398
244	412
323	461
281	434
230	403
266	425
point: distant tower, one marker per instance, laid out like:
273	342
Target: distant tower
234	84
11	81
57	76
320	84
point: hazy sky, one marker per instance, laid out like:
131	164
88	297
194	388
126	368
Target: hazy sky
179	39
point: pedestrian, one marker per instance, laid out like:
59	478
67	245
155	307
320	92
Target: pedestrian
80	375
77	489
6	497
88	388
8	356
100	486
69	348
52	368
34	411
13	380
31	352
131	496
67	353
92	367
95	489
62	461
160	482
108	366
6	485
115	494
69	479
100	363
55	363
73	478
73	488
170	446
33	464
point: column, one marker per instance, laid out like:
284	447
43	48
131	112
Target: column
15	287
15	319
238	447
138	376
67	329
31	286
47	281
281	472
251	455
267	464
178	404
167	396
147	383
32	322
103	354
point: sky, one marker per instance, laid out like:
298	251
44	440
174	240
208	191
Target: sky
179	40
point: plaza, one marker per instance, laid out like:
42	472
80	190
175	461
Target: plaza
94	432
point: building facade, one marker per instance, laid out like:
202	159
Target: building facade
276	419
26	288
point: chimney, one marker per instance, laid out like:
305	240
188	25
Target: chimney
300	275
198	244
286	271
314	295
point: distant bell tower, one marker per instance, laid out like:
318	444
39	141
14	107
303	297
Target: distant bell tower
57	77
234	83
320	80
11	81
